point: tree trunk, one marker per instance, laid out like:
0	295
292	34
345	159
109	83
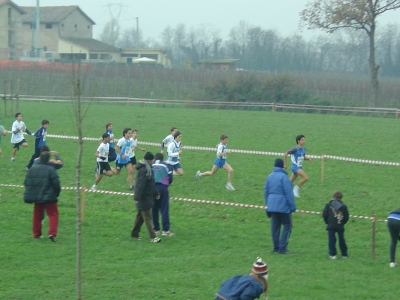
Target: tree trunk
373	67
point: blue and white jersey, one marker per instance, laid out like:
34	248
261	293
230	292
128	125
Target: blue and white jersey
111	142
220	149
173	153
125	147
297	155
168	140
40	136
103	150
133	146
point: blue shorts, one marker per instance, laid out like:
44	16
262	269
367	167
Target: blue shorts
174	167
219	162
295	168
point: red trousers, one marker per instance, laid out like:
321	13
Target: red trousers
52	212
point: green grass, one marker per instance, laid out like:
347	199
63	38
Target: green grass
212	242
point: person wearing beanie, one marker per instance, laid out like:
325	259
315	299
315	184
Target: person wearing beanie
278	196
298	156
145	193
42	188
246	286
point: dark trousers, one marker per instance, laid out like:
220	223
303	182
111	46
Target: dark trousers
394	230
161	205
52	212
332	242
34	156
279	240
143	216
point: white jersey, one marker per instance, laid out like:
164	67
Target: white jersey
221	149
19	136
103	150
133	147
168	140
173	153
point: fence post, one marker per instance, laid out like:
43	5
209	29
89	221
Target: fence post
322	168
273	107
83	196
373	236
5	97
11	96
397	113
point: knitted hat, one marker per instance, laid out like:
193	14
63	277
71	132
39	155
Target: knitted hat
279	163
260	267
148	156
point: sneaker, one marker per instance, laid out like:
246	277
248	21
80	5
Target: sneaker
230	187
12	158
132	188
296	191
174	173
333	257
157	232
167	233
52	238
26	169
392	264
198	175
155	240
93	187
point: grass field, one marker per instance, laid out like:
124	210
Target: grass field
212	243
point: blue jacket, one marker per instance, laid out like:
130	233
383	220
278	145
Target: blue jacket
240	287
278	192
161	173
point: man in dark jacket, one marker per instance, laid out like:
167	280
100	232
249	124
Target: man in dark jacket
278	195
145	192
336	215
42	187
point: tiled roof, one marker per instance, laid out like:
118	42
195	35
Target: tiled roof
3	2
92	44
51	14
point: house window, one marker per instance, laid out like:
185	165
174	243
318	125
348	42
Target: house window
49	26
76	25
33	25
105	56
88	27
48	55
94	56
9	16
62	25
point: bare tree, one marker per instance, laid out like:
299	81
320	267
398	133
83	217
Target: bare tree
332	15
110	32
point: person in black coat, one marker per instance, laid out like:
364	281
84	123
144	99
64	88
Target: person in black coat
336	215
42	188
145	193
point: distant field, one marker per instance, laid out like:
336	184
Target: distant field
212	243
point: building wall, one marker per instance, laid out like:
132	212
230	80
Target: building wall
10	32
76	25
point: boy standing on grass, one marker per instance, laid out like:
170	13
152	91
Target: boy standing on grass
336	215
163	179
132	156
298	156
174	150
220	162
3	132
40	140
102	160
17	136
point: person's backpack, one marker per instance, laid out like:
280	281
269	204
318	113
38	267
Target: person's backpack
112	155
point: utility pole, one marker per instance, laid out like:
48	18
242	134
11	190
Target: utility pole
37	36
137	32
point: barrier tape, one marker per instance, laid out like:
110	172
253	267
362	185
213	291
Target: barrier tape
199	201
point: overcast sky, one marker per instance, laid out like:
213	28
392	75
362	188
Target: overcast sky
155	15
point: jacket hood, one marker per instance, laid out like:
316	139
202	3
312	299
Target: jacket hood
336	204
277	169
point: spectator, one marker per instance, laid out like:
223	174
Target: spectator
393	223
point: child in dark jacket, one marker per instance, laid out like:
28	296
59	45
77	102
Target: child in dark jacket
336	215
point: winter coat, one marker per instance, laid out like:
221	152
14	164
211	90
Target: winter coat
335	215
41	184
278	192
145	188
240	287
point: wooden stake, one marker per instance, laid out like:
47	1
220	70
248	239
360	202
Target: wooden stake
373	236
322	168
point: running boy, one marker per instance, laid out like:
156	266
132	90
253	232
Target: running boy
102	160
220	162
336	215
297	155
174	150
123	149
40	140
17	136
3	132
132	156
168	139
111	155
